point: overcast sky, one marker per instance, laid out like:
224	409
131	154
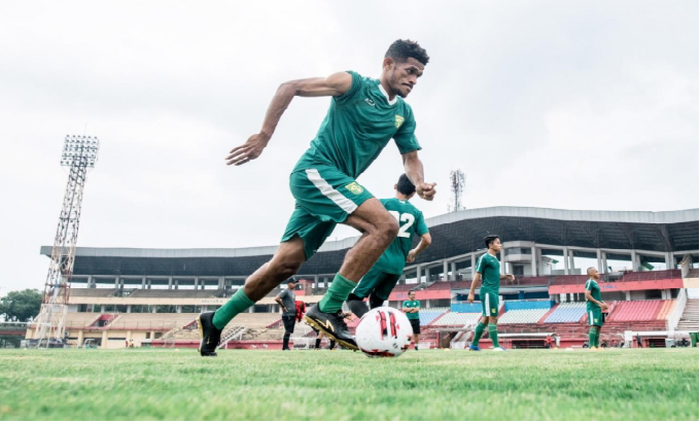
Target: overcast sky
573	105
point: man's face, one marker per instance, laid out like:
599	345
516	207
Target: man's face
412	296
496	245
403	76
290	286
593	273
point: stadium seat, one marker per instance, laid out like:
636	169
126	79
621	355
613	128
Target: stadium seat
457	319
567	312
522	316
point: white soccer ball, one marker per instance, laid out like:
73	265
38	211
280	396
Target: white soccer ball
383	332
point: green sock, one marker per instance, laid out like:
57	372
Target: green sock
237	304
339	291
597	337
493	333
478	332
591	337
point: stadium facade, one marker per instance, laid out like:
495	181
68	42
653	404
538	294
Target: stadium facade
151	295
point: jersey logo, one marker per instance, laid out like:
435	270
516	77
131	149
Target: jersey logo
399	121
369	101
355	188
493	310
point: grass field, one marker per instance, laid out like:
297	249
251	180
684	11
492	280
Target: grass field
638	384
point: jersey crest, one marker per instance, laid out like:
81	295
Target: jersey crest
355	188
399	121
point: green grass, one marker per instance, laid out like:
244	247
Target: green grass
637	384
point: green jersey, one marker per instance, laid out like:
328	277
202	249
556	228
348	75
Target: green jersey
358	125
411	304
411	223
490	270
593	287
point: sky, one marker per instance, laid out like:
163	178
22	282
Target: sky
570	105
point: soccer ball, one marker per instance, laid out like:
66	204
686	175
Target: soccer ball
383	332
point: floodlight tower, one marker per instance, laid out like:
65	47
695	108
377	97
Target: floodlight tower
79	154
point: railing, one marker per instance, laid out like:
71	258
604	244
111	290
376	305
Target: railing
230	334
651	275
675	316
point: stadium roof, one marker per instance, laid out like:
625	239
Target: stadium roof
453	234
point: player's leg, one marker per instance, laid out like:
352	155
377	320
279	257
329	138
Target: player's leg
483	321
284	264
492	307
479	329
383	290
330	195
593	331
288	322
319	337
415	326
364	289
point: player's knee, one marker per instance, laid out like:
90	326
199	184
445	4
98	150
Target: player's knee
285	269
388	229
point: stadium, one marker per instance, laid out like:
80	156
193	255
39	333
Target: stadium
151	297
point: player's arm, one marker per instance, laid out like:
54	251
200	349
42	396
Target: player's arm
425	241
509	277
405	309
414	170
334	85
476	280
590	298
278	299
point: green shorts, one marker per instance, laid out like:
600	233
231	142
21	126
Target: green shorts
325	196
489	303
376	282
595	317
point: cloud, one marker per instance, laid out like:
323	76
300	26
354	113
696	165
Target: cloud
589	105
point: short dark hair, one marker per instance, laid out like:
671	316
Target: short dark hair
490	238
405	186
401	50
411	291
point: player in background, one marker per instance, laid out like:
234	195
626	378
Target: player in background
594	308
488	272
364	114
412	309
381	279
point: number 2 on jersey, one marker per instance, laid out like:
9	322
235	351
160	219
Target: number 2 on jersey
408	218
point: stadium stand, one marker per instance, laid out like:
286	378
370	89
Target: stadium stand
92	292
689	319
636	310
173	294
567	312
457	319
522	316
429	315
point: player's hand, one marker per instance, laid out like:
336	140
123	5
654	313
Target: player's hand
411	256
604	306
426	191
251	150
510	277
470	298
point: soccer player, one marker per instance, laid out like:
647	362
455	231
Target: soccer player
287	301
412	308
364	114
488	271
594	308
381	279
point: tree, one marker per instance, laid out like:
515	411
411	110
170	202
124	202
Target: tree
21	305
